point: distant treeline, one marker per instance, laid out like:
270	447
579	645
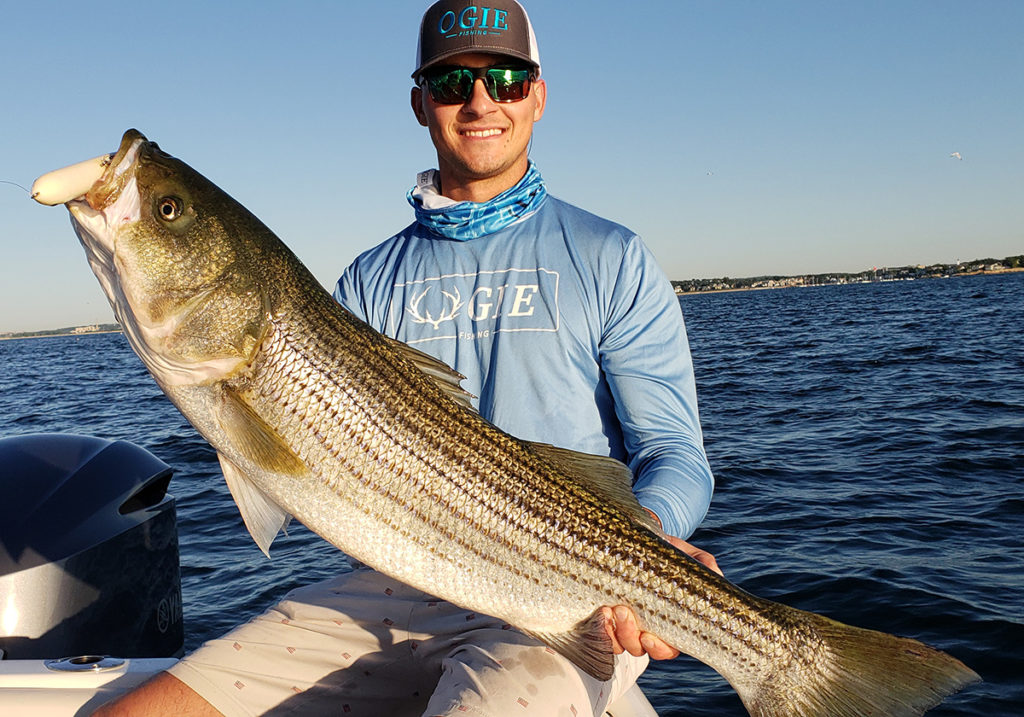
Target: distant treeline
899	273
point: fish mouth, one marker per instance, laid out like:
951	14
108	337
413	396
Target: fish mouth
111	183
111	203
113	200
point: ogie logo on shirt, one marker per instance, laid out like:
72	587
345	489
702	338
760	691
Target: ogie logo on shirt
473	306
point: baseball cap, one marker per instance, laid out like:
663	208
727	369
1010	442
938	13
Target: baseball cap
451	27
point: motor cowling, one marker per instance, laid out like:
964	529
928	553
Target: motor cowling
88	550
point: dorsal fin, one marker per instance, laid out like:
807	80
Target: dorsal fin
447	379
605	476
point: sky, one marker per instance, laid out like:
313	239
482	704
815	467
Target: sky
737	138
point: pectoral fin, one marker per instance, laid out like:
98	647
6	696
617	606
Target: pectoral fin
252	437
263	517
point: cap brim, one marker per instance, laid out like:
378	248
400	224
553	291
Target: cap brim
439	59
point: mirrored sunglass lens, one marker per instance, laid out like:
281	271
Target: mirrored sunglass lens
506	85
452	87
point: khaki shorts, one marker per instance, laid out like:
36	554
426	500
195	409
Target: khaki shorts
363	644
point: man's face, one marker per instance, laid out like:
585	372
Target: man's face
482	145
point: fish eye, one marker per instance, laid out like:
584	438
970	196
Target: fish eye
169	208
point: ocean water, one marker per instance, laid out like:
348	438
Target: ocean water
868	443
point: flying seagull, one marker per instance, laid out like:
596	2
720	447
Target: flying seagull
957	155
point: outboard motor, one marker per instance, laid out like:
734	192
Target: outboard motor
88	550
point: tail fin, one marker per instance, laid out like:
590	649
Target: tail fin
859	672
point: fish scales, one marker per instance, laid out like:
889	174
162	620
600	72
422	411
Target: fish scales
372	425
371	445
446	500
465	482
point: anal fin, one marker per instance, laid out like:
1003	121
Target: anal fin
587	646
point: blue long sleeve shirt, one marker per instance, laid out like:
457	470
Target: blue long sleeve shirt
566	331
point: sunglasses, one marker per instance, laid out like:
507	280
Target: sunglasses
454	85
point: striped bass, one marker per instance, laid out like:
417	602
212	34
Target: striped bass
375	447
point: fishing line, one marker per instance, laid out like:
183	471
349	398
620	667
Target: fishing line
5	181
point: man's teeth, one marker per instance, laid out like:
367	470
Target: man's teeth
482	132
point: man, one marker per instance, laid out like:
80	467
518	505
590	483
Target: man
566	332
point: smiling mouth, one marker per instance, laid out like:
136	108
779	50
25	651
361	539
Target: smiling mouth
482	132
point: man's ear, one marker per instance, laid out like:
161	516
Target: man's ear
416	100
540	87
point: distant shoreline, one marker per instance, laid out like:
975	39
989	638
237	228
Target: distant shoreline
47	335
796	283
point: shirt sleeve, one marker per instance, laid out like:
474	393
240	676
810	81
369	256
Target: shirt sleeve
645	356
348	292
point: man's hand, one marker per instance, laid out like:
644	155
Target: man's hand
701	556
620	622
